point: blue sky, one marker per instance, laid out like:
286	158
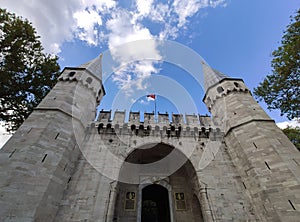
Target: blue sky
235	37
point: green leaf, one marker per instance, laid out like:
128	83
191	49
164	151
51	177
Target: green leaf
27	74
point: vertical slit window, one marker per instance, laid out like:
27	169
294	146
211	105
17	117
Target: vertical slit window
292	204
44	158
12	153
267	165
244	186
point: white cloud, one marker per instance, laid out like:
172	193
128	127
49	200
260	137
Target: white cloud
126	27
87	21
293	123
161	13
129	43
133	75
144	7
59	21
120	28
4	136
185	9
54	20
101	5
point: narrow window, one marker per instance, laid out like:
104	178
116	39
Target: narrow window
244	186
236	84
296	162
132	127
292	205
255	145
65	166
56	136
89	80
220	89
44	158
267	165
71	74
12	153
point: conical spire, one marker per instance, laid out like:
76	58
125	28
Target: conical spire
94	66
211	76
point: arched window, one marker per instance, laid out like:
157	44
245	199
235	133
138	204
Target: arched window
71	74
220	89
89	80
236	84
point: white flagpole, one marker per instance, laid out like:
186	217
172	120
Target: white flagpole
155	109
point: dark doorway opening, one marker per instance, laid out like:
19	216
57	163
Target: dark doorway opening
155	204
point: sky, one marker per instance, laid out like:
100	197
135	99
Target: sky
236	37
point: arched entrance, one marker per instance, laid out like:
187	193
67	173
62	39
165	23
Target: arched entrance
157	183
155	204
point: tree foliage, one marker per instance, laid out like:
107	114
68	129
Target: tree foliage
281	89
26	73
294	135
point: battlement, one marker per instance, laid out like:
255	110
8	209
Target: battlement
191	120
191	125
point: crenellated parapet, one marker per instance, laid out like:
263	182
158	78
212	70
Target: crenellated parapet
189	125
86	78
225	87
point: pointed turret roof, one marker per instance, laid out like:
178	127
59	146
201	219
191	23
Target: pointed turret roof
211	76
94	66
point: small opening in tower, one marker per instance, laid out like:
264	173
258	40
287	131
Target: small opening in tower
267	165
44	158
65	166
12	153
220	89
98	95
236	84
71	74
292	205
89	80
56	136
133	127
245	186
255	145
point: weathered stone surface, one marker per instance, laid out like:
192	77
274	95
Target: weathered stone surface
61	165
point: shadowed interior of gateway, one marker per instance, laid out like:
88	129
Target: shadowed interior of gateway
155	204
157	194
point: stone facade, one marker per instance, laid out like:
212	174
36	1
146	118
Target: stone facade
61	165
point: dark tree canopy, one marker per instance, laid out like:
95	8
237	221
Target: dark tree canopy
294	135
281	89
26	73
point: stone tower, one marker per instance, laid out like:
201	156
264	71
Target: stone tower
61	165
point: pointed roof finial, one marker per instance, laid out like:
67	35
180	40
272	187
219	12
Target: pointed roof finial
94	66
211	76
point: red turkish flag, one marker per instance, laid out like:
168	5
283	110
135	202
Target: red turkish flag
151	96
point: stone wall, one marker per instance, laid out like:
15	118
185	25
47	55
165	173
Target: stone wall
266	160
